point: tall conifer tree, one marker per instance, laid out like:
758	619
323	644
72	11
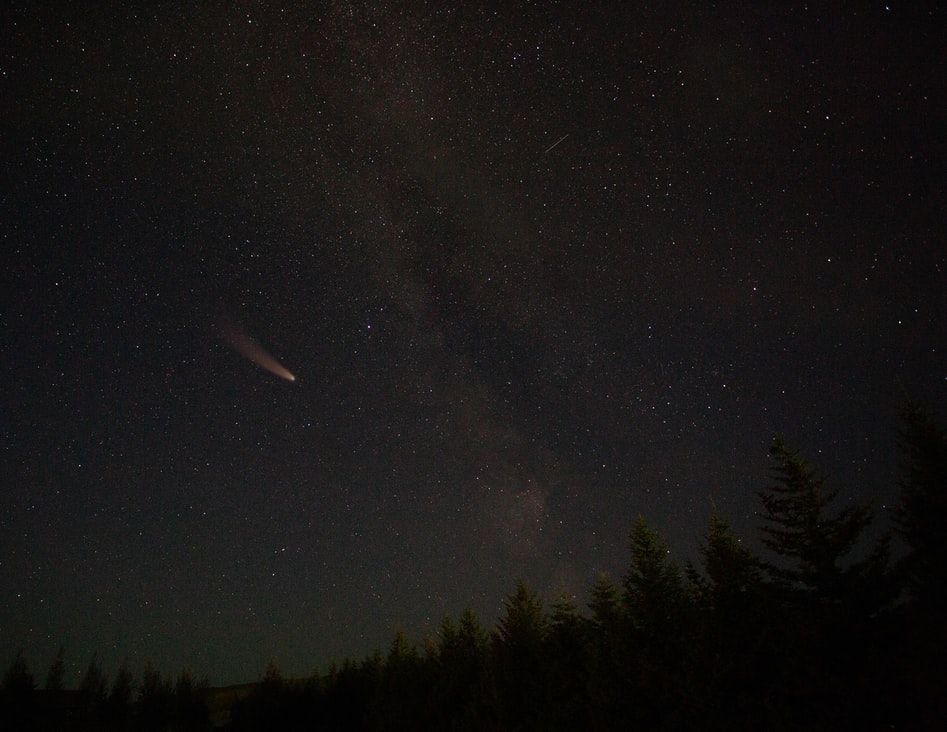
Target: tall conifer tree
811	544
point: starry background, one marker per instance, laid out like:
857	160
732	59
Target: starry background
537	270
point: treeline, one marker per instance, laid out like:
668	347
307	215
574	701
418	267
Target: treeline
155	703
825	632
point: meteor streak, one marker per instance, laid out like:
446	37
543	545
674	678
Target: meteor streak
555	143
238	339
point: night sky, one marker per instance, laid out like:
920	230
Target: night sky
535	272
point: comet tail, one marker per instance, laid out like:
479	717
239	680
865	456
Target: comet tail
235	337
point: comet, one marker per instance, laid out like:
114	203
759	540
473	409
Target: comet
239	340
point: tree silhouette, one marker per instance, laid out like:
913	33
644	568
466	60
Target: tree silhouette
462	673
605	605
567	665
155	699
269	706
519	647
922	512
656	603
17	695
523	624
57	672
820	619
920	519
733	630
117	708
653	587
731	572
93	691
609	649
402	697
190	711
811	545
18	680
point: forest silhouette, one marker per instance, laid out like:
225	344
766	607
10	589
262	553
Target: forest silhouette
827	631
